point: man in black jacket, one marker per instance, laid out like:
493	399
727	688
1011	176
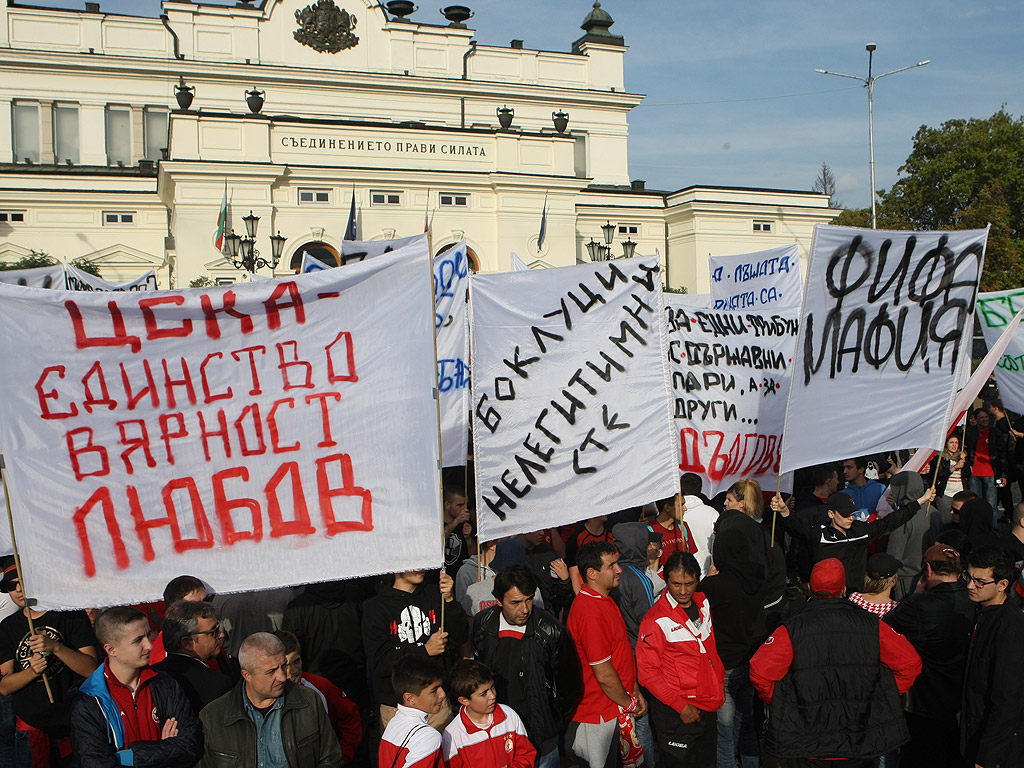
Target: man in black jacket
405	619
992	713
938	623
532	656
192	636
844	538
127	714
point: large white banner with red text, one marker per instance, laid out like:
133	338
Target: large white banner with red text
885	327
731	373
572	407
257	435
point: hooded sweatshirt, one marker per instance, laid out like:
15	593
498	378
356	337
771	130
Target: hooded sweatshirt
906	543
635	594
398	623
976	523
736	595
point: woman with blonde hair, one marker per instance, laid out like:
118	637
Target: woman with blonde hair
746	496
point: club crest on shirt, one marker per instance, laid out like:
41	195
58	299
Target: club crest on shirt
156	718
23	654
508	743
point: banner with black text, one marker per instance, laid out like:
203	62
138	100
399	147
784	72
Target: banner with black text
762	281
731	373
885	328
571	393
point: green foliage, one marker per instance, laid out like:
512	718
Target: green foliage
854	217
680	289
966	174
203	281
86	266
43	259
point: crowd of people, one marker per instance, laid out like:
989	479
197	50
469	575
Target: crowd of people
872	619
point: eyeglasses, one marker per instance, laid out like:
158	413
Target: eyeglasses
215	630
979	582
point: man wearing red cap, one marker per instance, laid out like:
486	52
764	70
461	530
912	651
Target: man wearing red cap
821	673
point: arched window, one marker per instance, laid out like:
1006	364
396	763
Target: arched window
474	262
320	251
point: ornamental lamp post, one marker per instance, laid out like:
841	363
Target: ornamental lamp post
242	251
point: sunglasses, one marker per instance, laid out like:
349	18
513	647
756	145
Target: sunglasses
215	630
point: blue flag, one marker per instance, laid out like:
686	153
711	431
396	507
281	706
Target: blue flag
350	228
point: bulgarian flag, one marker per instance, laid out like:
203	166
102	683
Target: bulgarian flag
222	221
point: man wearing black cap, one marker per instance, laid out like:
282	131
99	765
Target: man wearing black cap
938	623
844	538
63	649
880	578
846	713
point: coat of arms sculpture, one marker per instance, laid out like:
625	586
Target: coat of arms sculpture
325	27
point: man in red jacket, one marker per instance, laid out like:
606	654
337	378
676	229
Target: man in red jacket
677	661
832	676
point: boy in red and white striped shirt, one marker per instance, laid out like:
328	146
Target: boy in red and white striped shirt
485	734
408	742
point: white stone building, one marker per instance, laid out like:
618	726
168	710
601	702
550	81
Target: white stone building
97	159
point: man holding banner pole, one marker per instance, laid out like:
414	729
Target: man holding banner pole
844	537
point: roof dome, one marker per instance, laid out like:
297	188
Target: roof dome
598	21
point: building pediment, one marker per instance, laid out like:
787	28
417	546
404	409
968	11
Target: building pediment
123	256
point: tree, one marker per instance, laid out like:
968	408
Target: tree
964	174
203	281
43	259
825	183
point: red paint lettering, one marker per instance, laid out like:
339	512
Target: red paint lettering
51	394
275	445
348	372
100	496
301	525
150	388
119	339
185	381
274	307
135	443
166	435
253	412
321	397
209	397
328	492
222	433
305	368
95	376
228	308
76	451
224	506
252	366
149	316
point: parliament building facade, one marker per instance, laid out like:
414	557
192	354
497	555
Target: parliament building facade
120	134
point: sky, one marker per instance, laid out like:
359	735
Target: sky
732	96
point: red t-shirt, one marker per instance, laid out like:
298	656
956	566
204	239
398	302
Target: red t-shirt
982	466
599	633
674	540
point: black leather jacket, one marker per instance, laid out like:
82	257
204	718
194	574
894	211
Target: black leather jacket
538	676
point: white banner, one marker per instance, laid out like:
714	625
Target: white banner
995	312
451	283
310	264
968	394
6	548
885	327
357	250
256	435
518	265
78	280
731	373
37	277
766	280
571	393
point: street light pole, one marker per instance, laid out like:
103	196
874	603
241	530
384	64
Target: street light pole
869	83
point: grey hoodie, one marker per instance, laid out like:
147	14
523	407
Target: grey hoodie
635	594
905	543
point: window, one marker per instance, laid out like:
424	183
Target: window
113	218
12	217
452	199
65	133
26	132
762	226
314	196
385	198
224	281
629	229
154	129
119	136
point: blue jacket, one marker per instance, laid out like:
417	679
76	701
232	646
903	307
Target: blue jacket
97	730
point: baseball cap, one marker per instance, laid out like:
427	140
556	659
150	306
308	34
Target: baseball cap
841	504
9	578
941	553
654	537
828	578
882	565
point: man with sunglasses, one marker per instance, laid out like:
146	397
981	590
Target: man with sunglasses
992	714
193	636
845	538
938	622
